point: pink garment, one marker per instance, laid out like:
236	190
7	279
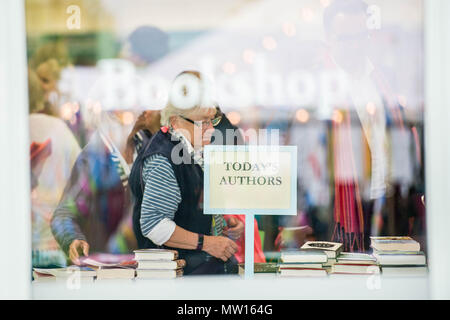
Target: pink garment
258	252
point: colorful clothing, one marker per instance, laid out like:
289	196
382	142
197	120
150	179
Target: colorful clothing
258	254
367	90
49	184
96	204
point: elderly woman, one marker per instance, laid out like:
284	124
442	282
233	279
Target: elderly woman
167	182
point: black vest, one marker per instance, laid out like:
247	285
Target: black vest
189	215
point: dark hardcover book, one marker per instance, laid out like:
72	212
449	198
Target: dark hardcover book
268	267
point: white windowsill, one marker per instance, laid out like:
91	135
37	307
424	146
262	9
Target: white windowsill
263	286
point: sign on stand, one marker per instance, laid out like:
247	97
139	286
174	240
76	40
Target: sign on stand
250	180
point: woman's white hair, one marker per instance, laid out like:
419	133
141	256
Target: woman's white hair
190	92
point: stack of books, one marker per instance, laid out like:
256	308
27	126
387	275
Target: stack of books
400	256
355	263
302	263
331	249
158	264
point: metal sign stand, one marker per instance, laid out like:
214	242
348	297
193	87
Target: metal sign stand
249	245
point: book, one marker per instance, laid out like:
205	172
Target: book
406	271
155	254
329	262
42	277
302	272
158	274
301	265
394	244
331	249
66	272
161	264
355	263
53	274
109	258
262	267
303	256
39	278
111	266
115	273
400	259
355	268
95	263
355	258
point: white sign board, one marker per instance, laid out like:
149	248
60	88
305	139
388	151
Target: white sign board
250	180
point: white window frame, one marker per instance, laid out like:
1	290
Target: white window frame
437	144
15	218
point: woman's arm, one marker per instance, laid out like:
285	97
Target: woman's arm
159	204
219	247
183	239
65	221
160	199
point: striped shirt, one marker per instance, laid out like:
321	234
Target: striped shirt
161	194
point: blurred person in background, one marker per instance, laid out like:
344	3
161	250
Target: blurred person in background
137	50
50	176
369	94
48	62
96	198
145	45
167	183
95	211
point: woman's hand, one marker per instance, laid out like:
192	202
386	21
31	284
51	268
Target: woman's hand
219	247
74	249
235	228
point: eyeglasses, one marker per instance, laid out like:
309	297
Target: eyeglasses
204	124
216	120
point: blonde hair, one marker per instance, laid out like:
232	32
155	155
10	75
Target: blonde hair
171	110
36	95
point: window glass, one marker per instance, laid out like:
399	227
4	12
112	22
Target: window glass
341	80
